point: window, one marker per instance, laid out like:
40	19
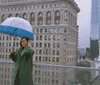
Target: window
39	72
24	16
65	38
39	79
40	18
36	44
64	60
54	37
46	30
48	18
35	72
10	15
37	37
3	44
36	51
49	37
9	44
43	59
45	44
49	59
48	45
36	58
39	58
57	82
57	17
45	37
17	44
13	43
57	74
52	81
46	51
42	73
66	13
57	59
40	51
17	15
40	45
41	30
58	45
46	59
32	18
57	52
64	52
6	37
9	50
66	17
53	52
41	37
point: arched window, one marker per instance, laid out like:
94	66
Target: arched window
10	15
3	17
17	15
57	17
48	18
40	18
24	16
32	18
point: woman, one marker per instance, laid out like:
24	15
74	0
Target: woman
23	63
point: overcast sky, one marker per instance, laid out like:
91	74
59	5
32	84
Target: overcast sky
84	22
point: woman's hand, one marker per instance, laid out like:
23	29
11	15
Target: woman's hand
12	51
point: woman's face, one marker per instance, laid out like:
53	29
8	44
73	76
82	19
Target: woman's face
24	42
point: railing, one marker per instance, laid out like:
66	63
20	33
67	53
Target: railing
66	75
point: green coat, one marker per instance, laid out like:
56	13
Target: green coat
23	66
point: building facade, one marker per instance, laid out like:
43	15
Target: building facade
55	38
95	28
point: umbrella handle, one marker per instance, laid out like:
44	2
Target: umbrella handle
13	49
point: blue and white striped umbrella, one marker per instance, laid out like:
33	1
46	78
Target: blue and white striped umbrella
17	27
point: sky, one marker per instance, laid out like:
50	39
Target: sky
84	17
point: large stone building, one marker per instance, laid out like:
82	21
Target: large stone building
55	38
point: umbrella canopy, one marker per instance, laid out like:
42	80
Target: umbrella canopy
17	27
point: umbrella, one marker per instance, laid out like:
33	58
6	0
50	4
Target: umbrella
17	27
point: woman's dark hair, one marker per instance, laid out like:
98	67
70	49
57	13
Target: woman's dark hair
27	39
